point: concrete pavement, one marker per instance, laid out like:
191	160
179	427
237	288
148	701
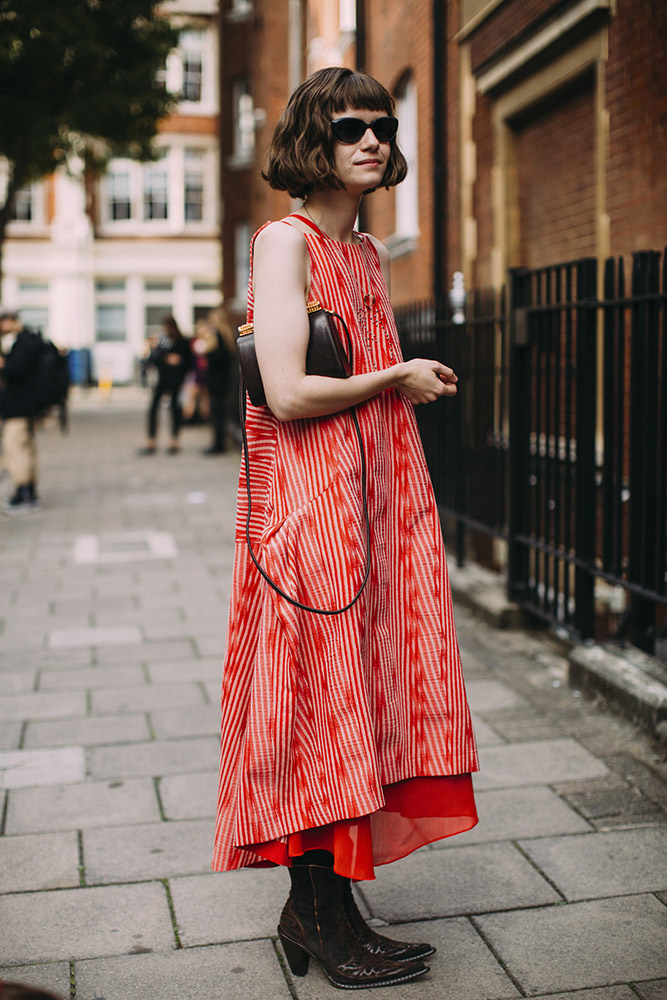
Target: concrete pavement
113	604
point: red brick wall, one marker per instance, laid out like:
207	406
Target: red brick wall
556	173
636	98
509	24
399	40
556	148
271	93
255	47
483	138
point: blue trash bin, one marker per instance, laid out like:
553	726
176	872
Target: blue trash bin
79	360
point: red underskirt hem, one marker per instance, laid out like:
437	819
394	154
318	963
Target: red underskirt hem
417	811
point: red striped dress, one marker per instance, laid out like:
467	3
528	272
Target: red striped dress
347	732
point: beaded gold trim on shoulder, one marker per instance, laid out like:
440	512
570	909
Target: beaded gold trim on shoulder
311	307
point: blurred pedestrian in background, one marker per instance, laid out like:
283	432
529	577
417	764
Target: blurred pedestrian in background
220	347
194	394
172	358
20	352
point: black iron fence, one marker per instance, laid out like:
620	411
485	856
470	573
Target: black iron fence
557	441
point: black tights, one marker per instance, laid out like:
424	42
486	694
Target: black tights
323	859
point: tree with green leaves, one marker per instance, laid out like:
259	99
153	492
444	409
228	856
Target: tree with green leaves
78	78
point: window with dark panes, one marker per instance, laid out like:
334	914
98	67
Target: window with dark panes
22	209
193	65
194	185
156	190
119	200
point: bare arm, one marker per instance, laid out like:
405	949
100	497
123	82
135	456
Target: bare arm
281	279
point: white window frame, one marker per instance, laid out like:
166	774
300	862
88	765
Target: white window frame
174	162
242	234
347	15
199	40
118	171
406	230
111	300
194	168
154	182
243	116
37	224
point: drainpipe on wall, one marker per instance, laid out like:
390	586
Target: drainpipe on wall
439	149
360	63
294	45
361	36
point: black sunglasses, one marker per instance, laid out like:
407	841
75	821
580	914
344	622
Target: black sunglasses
349	130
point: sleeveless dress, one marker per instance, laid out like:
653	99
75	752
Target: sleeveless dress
346	732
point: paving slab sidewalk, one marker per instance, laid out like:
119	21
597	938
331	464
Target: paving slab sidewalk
113	611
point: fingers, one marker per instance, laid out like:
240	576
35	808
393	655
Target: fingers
444	373
428	380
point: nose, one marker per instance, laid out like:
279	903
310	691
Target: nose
369	139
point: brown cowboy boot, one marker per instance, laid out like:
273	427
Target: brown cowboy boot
376	944
314	924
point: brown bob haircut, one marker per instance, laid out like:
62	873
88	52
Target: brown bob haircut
301	156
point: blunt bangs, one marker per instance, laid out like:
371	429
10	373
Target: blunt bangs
359	91
301	156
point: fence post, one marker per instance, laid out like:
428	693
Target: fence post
518	559
585	402
644	431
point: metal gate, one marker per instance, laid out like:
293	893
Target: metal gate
557	441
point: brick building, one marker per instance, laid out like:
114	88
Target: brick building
96	263
535	129
562	127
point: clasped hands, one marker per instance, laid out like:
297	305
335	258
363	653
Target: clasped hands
422	381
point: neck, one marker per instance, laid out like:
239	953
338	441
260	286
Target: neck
334	212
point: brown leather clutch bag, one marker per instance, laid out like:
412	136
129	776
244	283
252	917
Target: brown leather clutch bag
325	355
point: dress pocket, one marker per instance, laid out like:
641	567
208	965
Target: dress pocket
316	554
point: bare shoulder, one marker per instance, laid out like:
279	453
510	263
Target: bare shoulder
382	251
278	238
281	260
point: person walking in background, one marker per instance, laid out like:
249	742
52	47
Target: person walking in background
219	352
19	366
347	740
172	358
194	395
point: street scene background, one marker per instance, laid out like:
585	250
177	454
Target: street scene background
527	251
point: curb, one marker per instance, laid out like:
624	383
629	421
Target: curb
624	676
483	592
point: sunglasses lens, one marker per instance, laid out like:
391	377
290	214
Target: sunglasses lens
385	129
349	130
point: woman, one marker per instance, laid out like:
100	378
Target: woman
172	357
347	740
219	346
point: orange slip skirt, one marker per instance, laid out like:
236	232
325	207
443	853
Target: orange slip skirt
417	811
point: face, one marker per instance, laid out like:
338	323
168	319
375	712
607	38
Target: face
9	325
361	165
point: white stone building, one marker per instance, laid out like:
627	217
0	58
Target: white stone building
97	269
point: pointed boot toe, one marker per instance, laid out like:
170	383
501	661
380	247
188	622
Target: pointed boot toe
377	944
